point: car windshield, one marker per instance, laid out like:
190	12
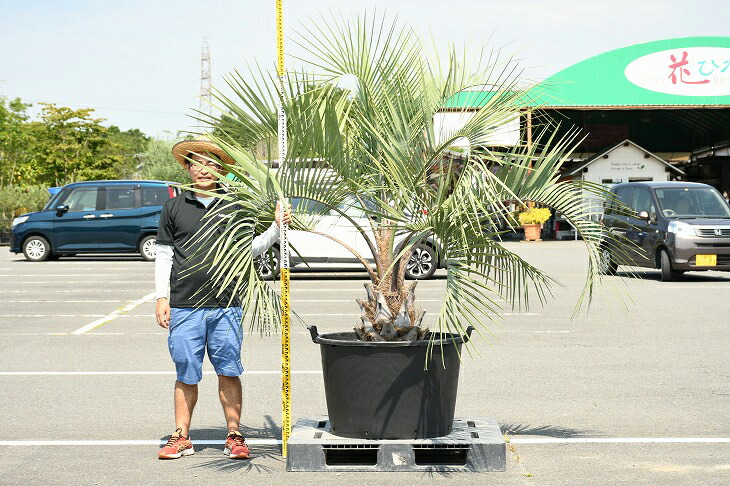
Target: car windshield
692	202
307	206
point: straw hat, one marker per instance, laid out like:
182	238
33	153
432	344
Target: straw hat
200	146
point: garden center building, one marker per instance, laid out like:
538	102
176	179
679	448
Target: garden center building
656	111
665	103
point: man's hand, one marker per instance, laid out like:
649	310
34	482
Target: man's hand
277	215
162	312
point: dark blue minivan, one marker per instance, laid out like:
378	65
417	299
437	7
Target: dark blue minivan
94	217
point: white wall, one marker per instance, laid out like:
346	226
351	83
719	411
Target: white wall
624	163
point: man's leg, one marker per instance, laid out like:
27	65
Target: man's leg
186	396
186	343
224	350
229	391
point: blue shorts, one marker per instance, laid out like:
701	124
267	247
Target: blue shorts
192	330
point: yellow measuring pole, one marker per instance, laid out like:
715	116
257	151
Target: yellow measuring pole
284	246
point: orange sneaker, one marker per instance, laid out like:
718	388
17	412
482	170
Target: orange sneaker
236	447
177	446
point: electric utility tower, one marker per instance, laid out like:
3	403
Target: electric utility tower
205	107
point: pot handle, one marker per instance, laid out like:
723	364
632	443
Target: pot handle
467	336
313	332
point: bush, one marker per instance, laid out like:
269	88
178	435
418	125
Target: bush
534	216
16	200
159	164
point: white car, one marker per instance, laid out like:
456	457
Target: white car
311	249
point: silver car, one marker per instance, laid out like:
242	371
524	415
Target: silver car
311	249
673	226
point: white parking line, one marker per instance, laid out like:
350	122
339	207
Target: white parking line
65	301
89	373
46	275
53	315
361	289
48	291
619	440
86	281
532	332
352	300
77	291
116	300
513	314
110	443
325	314
96	333
114	315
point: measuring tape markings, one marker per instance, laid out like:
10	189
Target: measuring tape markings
284	254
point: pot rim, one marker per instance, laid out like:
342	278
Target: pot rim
448	338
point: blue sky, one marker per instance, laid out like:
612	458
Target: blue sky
138	62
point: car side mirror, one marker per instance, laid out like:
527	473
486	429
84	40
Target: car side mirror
644	215
62	208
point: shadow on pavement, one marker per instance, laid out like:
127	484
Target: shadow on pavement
546	431
132	257
268	430
689	277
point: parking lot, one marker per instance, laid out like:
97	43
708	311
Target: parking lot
636	390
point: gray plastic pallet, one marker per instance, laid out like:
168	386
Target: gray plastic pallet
473	445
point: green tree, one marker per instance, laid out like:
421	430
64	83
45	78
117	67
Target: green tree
130	144
16	200
68	145
159	164
13	139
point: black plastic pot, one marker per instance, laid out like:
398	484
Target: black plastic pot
380	390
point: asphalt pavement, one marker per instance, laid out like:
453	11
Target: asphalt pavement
634	389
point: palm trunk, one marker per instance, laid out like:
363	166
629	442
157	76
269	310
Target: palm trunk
389	313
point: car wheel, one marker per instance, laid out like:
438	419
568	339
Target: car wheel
268	264
607	266
148	248
422	264
36	249
665	266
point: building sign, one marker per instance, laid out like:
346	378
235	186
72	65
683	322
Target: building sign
690	71
627	165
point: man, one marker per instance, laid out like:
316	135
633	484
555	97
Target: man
197	315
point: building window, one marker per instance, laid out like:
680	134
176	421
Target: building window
641	179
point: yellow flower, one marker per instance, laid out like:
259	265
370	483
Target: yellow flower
534	216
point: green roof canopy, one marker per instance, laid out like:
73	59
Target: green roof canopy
687	72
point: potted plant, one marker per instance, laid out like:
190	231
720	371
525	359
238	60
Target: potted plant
361	128
532	220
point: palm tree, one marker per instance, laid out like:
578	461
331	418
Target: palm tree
365	104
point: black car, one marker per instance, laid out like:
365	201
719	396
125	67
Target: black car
672	226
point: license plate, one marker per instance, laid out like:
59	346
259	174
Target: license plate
706	260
